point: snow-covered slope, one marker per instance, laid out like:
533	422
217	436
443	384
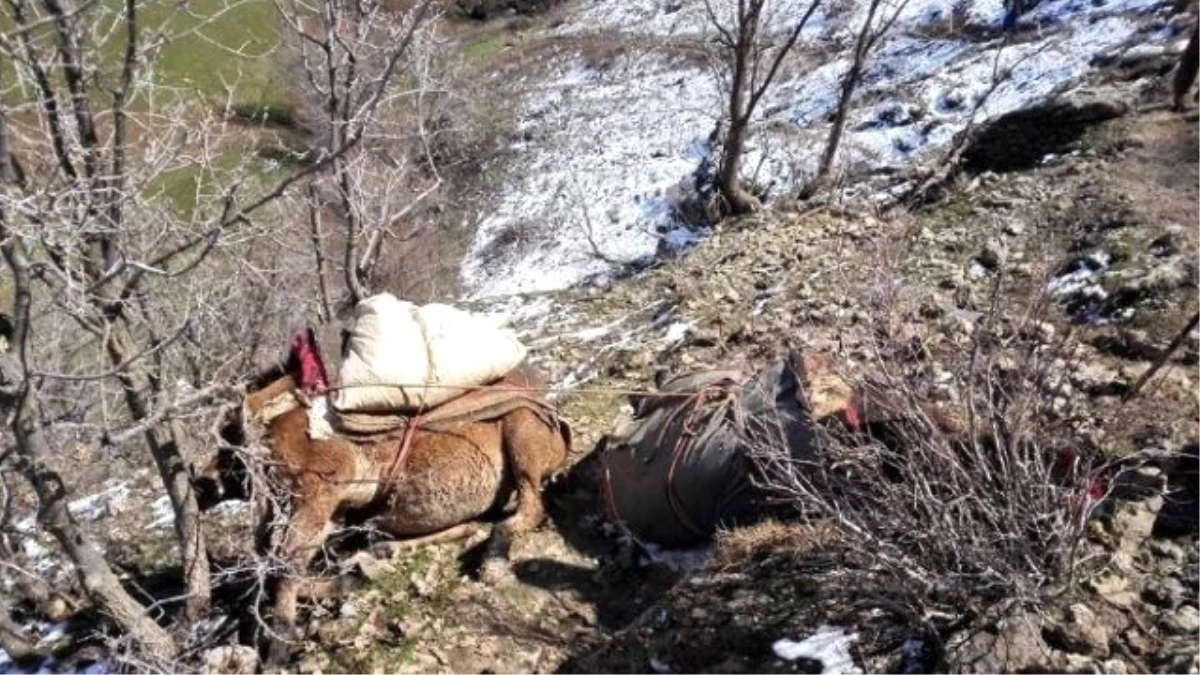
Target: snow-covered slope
609	152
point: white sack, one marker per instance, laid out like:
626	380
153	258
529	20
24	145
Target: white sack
399	353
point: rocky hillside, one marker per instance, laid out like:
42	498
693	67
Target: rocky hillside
1072	227
617	104
1006	245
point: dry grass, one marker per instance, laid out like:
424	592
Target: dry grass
747	544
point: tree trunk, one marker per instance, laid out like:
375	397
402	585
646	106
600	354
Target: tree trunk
1185	73
849	84
737	200
95	575
164	448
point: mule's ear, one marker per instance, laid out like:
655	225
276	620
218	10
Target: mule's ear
233	426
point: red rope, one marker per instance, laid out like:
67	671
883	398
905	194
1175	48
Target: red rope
406	443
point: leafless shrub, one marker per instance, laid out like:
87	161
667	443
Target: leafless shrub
986	491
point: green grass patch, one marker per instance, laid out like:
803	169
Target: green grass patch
218	48
483	47
186	187
210	48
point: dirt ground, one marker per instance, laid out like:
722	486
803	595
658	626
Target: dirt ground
580	600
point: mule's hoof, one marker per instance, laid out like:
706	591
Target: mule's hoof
496	573
281	647
279	653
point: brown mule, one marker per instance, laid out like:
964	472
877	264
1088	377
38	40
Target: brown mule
411	484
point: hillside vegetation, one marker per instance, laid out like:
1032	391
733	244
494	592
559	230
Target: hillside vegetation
1005	238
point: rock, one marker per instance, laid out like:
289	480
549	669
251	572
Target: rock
1016	645
1014	228
1114	588
1141	484
1137	642
1022	138
993	255
1096	104
232	659
1167	592
1129	343
1114	667
1074	663
1097	379
1168	549
1166	244
1182	663
1131	524
1164	277
369	566
1183	621
1081	631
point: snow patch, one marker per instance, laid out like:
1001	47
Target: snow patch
596	187
677	331
163	512
99	505
677	559
1079	277
607	155
830	647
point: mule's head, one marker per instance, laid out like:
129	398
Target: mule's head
269	394
224	477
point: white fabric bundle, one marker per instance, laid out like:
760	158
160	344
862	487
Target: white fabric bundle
404	357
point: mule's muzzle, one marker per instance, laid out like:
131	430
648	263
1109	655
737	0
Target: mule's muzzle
208	491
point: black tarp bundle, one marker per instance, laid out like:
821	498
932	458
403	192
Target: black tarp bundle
682	467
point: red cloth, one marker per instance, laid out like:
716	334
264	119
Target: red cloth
313	379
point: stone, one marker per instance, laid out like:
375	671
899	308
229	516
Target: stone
1164	548
1114	667
993	255
231	659
1015	645
1168	593
1140	484
1183	621
1131	523
1181	663
1114	588
1017	139
1137	500
1083	632
1097	379
1137	641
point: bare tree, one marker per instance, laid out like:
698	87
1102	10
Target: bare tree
117	296
1185	72
751	56
346	49
868	37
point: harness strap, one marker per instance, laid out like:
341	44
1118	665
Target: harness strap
406	443
723	396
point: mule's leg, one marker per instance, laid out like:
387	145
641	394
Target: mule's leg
307	529
534	451
391	549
